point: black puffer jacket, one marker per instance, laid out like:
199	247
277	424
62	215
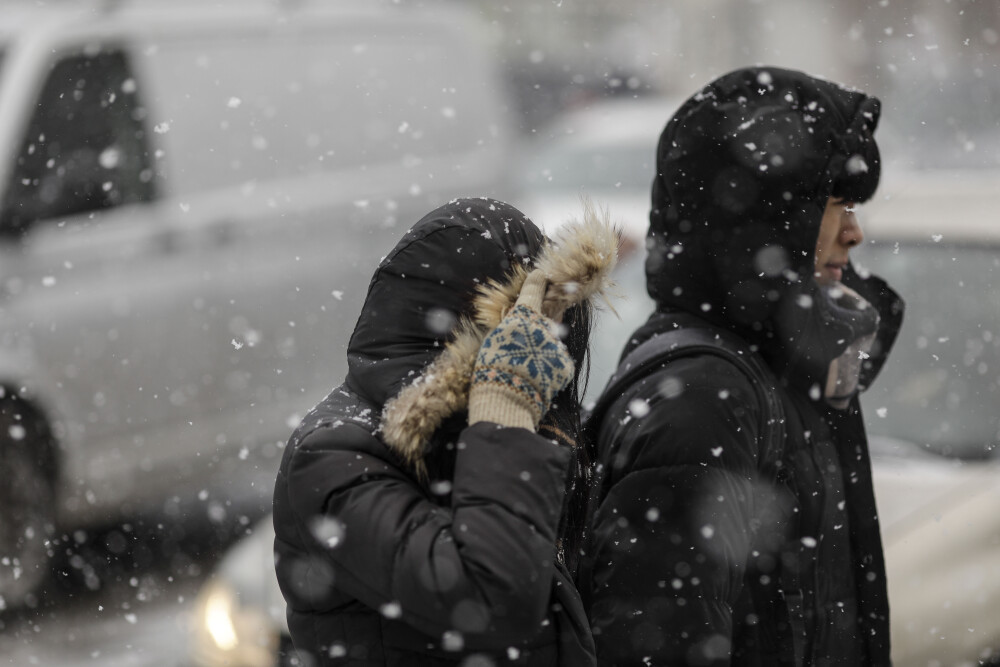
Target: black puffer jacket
380	566
707	547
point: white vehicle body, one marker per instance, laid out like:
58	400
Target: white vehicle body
933	414
605	153
180	273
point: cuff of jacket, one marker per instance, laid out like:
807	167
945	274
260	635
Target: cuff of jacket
523	471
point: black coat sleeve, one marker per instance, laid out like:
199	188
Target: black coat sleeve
481	569
671	527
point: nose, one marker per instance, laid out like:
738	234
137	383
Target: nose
850	229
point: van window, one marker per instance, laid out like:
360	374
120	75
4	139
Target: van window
937	388
239	108
86	147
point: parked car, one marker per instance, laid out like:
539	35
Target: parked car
239	614
189	193
604	152
932	415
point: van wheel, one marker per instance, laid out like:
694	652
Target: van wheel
27	513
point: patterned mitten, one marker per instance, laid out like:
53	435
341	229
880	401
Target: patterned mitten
521	365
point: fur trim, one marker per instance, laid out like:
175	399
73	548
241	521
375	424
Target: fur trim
578	266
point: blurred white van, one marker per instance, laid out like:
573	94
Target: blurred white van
193	196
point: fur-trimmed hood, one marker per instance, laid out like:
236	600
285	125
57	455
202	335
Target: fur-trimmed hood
444	286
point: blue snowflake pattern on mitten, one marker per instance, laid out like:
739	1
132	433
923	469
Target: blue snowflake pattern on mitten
525	346
530	344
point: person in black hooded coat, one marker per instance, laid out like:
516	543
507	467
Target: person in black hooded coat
714	541
399	548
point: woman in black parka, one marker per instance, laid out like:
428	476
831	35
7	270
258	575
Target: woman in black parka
419	516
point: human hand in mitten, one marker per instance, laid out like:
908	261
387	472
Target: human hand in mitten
816	325
521	365
845	370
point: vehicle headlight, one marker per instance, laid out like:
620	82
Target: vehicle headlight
227	632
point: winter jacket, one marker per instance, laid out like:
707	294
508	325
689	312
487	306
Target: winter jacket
708	547
385	563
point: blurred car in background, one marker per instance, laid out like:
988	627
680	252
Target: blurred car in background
190	194
239	614
933	415
604	152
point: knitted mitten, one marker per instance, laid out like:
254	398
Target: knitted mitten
521	364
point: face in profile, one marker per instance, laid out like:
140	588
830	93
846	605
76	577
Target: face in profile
838	233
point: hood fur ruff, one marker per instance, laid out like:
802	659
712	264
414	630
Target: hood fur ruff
578	266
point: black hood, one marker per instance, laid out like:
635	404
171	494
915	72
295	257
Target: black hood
426	283
744	170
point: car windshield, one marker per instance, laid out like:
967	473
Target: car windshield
939	388
591	167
